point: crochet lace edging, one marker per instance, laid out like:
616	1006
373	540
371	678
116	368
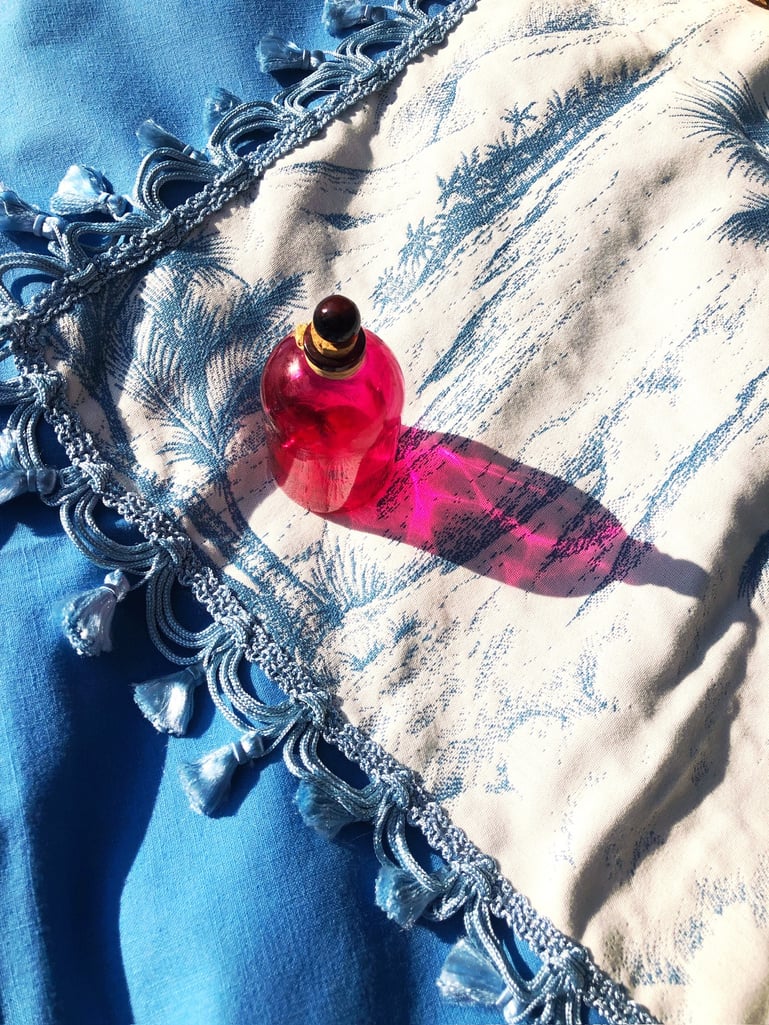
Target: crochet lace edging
82	254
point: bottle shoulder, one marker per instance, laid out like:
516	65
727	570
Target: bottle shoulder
381	357
288	378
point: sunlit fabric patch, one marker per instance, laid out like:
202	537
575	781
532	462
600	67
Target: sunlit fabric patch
557	223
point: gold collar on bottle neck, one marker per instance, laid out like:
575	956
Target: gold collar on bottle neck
327	359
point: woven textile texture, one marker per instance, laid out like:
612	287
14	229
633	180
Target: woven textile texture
554	616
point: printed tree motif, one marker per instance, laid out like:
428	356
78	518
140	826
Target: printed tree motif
188	349
462	181
485	186
519	117
557	109
419	245
177	373
730	115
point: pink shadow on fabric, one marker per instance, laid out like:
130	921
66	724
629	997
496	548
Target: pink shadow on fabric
474	507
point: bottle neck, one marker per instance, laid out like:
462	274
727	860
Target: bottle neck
332	360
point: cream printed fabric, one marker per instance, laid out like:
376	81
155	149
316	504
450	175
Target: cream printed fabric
558	222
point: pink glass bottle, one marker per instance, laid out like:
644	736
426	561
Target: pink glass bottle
332	395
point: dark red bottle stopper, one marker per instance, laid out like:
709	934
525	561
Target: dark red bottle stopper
337	320
335	342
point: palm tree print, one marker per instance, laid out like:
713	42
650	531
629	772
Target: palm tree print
736	122
490	183
183	348
519	117
176	382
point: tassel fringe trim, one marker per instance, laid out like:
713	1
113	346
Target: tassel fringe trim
94	233
167	701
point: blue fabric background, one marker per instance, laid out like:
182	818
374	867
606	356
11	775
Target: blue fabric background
118	904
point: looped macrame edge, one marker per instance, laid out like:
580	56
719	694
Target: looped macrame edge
568	982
